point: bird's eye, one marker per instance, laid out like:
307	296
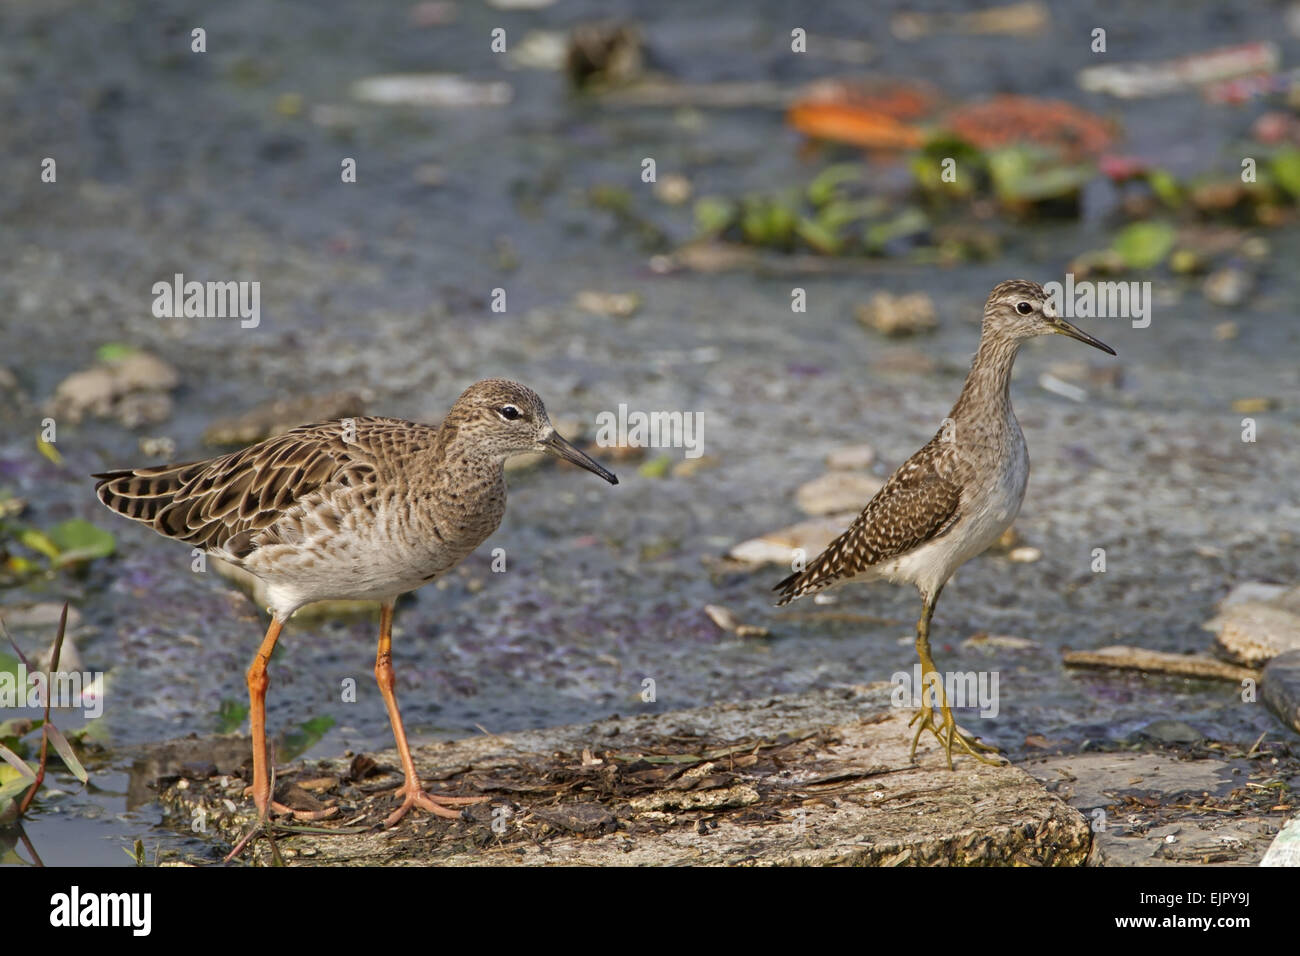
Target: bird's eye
1024	308
508	412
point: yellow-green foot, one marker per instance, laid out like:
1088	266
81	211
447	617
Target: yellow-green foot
948	734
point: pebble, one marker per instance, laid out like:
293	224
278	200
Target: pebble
727	621
1005	642
42	616
1172	732
1254	405
778	547
618	305
1279	687
850	457
1226	331
1228	286
673	189
1252	633
131	388
901	315
430	89
837	491
1024	555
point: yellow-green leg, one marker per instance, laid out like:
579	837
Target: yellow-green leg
948	734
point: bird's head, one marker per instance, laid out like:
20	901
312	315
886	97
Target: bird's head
1019	309
503	418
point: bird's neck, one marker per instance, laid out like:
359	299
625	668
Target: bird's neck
988	385
462	469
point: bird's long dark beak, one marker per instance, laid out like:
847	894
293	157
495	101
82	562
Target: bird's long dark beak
562	449
1065	328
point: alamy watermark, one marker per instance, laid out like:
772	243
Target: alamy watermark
70	689
961	688
651	430
208	300
1101	300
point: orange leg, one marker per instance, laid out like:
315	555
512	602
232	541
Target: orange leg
258	682
412	792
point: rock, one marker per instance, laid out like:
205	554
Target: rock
905	361
673	189
1285	848
132	387
692	466
43	616
821	779
277	417
1229	286
890	315
618	305
1002	642
1279	688
727	621
1226	331
1251	633
1257	592
778	547
1172	732
430	89
1126	797
850	457
837	491
540	50
1024	555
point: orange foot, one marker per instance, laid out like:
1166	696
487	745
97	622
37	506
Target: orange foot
303	816
439	806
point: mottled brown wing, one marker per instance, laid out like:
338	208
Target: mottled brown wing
224	502
920	502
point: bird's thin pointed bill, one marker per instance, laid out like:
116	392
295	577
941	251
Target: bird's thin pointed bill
558	446
1065	328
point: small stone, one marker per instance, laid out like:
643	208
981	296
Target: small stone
1004	642
902	315
1226	331
1008	540
1172	732
1229	286
277	417
1257	591
1279	687
837	491
42	616
778	547
619	305
1024	555
690	466
850	457
1253	633
673	189
727	621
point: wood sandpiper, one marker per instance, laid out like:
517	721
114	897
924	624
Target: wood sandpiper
361	509
953	498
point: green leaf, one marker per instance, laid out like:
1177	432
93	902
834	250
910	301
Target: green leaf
1145	244
13	760
65	751
112	351
818	236
826	184
1165	186
713	215
48	450
655	468
230	715
308	733
1286	170
1027	174
14	788
79	540
39	541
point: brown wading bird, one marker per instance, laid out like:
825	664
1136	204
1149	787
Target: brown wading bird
953	498
359	509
